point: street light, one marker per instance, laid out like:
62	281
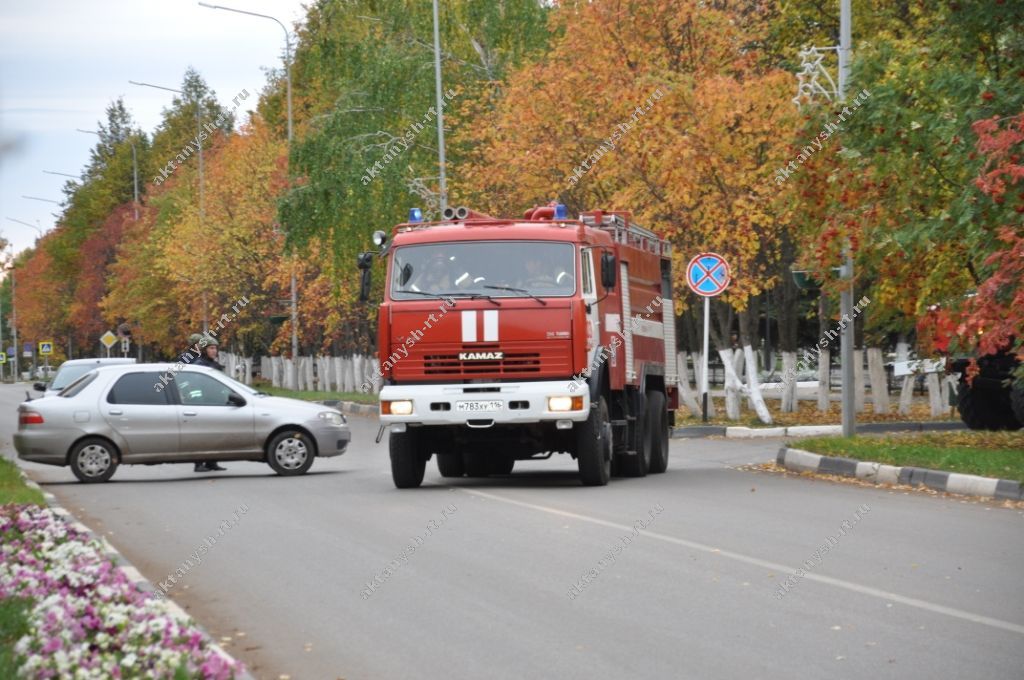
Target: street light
288	81
135	170
62	174
44	200
34	226
14	311
440	112
199	145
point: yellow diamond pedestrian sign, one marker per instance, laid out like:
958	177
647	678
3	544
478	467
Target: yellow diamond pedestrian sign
108	339
46	348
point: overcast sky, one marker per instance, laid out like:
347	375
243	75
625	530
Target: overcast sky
63	61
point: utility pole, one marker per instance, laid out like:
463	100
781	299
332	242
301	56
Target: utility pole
440	111
846	338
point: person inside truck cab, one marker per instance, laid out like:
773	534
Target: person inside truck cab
540	274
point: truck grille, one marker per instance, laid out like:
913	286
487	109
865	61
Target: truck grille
513	363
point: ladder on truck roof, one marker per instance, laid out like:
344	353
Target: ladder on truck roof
629	233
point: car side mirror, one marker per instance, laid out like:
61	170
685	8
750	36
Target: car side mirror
608	270
236	400
39	387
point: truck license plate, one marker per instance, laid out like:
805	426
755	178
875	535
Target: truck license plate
479	406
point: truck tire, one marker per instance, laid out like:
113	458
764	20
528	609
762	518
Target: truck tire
502	465
407	461
640	441
594	446
658	425
985	409
450	465
476	464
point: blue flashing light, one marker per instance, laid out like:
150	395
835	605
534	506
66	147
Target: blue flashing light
415	215
561	212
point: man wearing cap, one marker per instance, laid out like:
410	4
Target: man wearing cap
207	346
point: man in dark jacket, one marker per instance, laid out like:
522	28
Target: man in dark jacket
207	346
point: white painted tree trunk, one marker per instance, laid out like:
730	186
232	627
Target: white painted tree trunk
879	383
934	394
247	367
733	386
698	370
754	386
947	386
906	394
824	378
689	400
276	370
858	380
789	380
309	373
349	376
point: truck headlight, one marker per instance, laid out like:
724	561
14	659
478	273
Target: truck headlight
565	403
332	417
400	407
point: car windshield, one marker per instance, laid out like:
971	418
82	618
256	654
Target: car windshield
68	374
78	385
486	268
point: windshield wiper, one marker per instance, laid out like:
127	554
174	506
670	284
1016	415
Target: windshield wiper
419	292
518	290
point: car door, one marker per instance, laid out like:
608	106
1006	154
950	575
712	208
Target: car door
209	424
144	419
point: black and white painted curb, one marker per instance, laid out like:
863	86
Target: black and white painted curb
352	407
700	431
799	460
129	570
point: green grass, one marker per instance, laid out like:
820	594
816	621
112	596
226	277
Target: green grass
989	454
13	625
309	395
13	489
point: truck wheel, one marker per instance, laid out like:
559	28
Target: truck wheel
450	465
93	460
594	446
657	423
407	461
640	441
982	409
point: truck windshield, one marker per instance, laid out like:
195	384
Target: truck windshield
493	268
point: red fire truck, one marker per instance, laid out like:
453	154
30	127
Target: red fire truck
513	339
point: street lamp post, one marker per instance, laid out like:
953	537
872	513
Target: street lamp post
135	171
288	84
440	112
199	149
44	200
34	226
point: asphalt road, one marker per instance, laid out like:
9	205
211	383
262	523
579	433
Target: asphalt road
920	586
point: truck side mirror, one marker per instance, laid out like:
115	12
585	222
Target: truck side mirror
364	261
608	270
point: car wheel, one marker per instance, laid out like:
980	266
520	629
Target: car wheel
407	460
594	446
93	460
290	453
637	465
450	465
657	423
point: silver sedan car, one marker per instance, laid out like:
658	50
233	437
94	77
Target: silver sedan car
149	413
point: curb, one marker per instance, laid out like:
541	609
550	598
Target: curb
133	574
799	460
700	431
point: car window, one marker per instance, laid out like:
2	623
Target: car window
199	389
137	388
68	374
77	386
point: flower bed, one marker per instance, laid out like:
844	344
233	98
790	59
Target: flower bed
87	619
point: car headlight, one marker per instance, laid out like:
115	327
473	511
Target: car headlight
332	417
400	407
565	403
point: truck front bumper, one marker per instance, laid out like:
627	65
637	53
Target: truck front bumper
484	405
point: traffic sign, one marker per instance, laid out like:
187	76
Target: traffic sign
10	351
708	274
108	339
3	358
46	348
26	350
